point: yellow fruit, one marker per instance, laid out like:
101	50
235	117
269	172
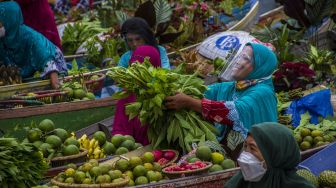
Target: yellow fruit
149	166
305	145
70	172
148	157
316	133
129	174
305	132
135	161
217	158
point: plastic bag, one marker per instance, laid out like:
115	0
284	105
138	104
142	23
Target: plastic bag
317	104
227	46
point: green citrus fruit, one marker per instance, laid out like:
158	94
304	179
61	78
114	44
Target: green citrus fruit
305	145
203	153
117	139
122	165
34	135
46	125
115	174
100	136
305	132
227	164
139	171
109	148
148	157
135	161
70	150
121	151
142	180
216	168
79	177
54	141
95	171
129	144
61	133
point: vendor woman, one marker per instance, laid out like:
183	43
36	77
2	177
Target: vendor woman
269	158
26	48
235	106
122	124
137	32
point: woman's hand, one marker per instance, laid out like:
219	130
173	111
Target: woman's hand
54	80
181	101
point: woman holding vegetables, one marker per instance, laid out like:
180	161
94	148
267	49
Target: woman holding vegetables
235	106
24	47
137	32
122	124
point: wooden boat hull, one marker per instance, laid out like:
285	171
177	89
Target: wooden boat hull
71	116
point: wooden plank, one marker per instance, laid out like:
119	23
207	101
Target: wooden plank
55	108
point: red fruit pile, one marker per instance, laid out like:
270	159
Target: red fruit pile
185	166
163	157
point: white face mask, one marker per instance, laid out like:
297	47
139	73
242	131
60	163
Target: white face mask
252	169
2	32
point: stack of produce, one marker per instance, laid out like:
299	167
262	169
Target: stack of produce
9	75
326	178
77	91
90	173
151	86
22	164
309	135
52	142
284	100
163	157
141	170
205	153
185	166
197	63
98	147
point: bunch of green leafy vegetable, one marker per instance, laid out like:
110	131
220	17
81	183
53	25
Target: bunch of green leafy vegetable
77	33
103	52
151	85
22	164
315	57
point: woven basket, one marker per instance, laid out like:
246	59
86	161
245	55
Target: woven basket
96	85
106	185
173	160
62	161
174	175
48	96
7	104
91	85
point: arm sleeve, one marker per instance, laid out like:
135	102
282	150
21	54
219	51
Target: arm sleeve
164	58
124	59
212	92
215	111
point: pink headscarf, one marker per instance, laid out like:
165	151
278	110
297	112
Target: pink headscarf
144	51
122	125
